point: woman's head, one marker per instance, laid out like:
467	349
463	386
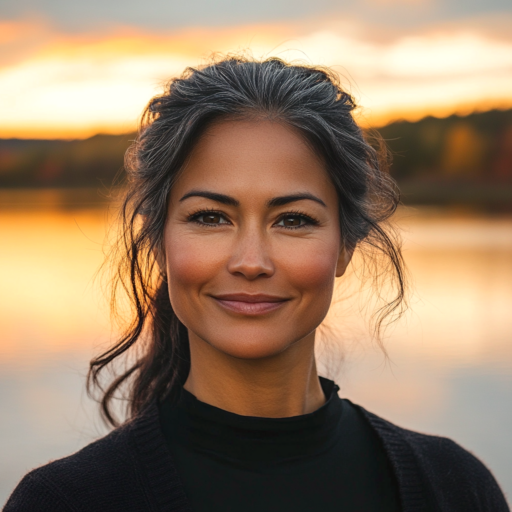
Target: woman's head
208	215
252	242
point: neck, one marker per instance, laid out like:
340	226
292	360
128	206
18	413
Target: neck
280	386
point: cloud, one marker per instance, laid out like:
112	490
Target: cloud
387	3
68	85
172	15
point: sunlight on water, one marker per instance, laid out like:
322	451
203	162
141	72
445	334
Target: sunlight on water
449	370
50	301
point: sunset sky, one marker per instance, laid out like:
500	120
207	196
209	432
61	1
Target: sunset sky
72	69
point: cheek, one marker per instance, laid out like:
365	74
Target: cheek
313	268
191	263
188	267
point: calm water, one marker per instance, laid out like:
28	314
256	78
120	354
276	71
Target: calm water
449	370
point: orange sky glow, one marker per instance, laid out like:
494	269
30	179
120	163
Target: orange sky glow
61	85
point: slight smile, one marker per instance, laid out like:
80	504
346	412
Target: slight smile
247	304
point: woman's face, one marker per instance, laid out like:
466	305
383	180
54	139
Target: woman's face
252	240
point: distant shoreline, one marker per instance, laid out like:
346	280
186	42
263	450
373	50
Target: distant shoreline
433	197
439	161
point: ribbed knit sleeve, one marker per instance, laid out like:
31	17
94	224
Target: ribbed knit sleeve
34	493
435	474
455	476
130	469
105	475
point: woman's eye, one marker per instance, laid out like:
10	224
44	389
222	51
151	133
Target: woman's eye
210	218
293	221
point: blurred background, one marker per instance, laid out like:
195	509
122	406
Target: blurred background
433	77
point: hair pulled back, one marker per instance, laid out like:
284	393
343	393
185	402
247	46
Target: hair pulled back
307	98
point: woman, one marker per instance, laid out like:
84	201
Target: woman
250	187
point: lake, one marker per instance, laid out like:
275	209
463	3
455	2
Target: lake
448	369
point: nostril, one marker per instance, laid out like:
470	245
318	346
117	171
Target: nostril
251	269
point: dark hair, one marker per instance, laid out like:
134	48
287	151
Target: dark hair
308	98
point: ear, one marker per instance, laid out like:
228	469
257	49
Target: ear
344	259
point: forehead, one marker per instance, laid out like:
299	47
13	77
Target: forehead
254	157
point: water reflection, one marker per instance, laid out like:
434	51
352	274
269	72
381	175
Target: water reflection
47	265
450	360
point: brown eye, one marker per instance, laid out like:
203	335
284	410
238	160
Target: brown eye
292	221
211	218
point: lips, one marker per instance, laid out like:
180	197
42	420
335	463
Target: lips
250	304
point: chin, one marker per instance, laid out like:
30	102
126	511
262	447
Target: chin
250	343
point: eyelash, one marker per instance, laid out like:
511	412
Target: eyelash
294	213
204	211
310	221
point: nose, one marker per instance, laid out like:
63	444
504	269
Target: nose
251	258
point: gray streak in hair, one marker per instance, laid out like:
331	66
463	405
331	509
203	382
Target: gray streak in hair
311	100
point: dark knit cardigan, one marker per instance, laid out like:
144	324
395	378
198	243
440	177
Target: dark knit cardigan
131	469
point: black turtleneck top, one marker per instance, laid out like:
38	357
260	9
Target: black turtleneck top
329	460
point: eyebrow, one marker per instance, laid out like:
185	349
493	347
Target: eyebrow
282	200
231	201
214	196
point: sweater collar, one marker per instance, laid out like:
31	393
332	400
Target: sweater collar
168	493
249	440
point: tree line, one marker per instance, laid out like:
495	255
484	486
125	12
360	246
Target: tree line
454	159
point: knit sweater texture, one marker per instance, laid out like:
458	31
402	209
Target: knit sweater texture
131	469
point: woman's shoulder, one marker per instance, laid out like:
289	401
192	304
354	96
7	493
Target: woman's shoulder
450	475
104	473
